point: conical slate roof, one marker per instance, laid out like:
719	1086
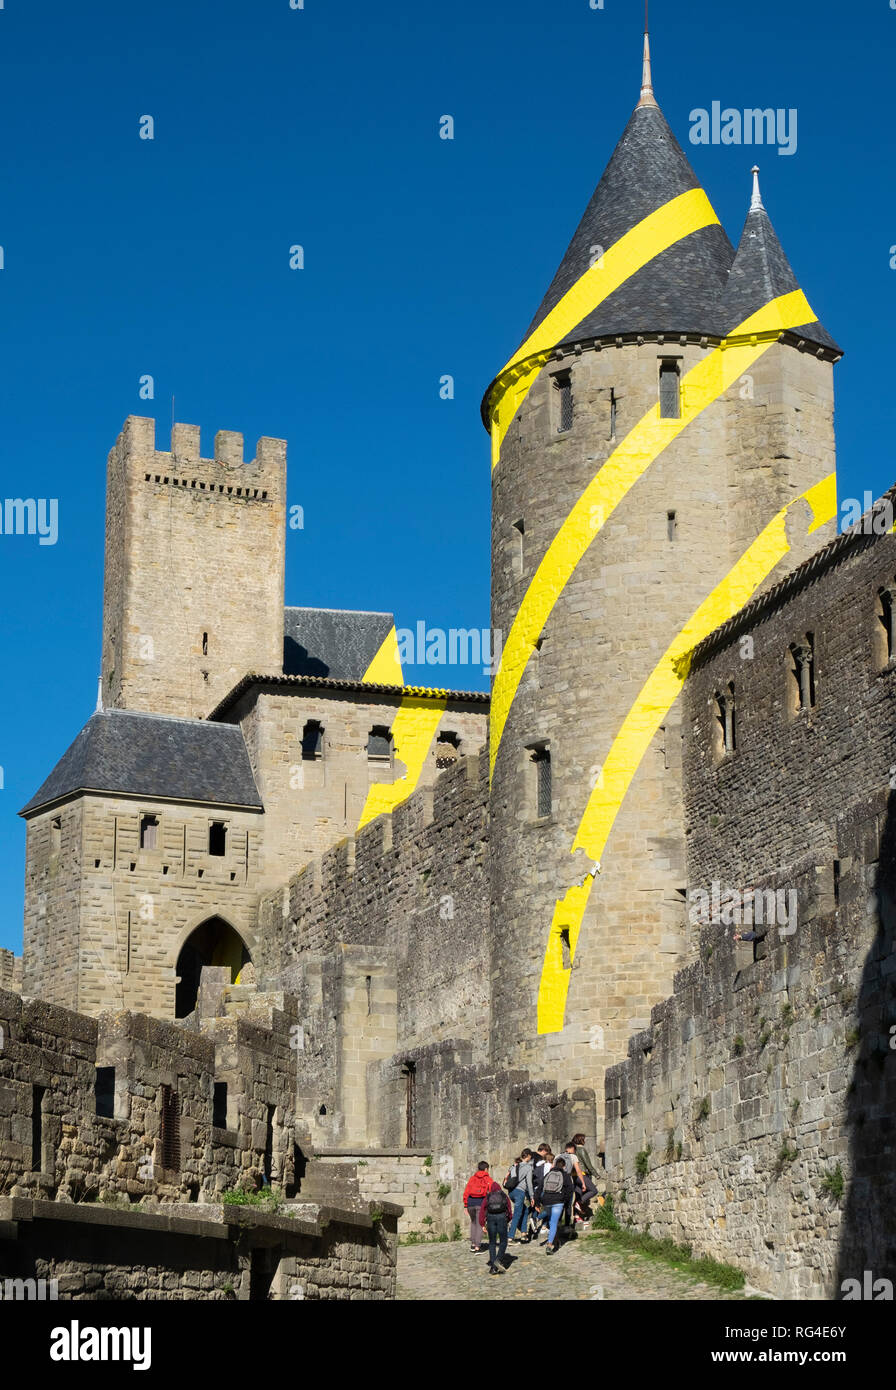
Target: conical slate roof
676	292
761	272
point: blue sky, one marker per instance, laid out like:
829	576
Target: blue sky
423	257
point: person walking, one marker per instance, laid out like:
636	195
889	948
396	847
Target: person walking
589	1175
556	1193
521	1188
474	1195
494	1214
543	1165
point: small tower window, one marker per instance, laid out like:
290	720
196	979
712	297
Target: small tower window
219	1105
447	747
612	413
670	389
379	744
217	839
312	741
671	525
56	834
519	532
205	644
149	832
104	1092
886	630
803	655
725	714
540	755
563	388
169	1129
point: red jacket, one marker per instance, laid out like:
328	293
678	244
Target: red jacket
478	1186
495	1187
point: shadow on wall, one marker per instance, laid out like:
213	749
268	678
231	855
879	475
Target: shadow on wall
868	1230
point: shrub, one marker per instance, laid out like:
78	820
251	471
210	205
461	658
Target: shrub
605	1217
703	1112
443	1189
739	1045
242	1197
642	1162
833	1184
457	1233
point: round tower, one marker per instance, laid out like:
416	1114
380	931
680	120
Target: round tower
662	447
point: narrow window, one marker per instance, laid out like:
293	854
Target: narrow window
565	948
447	749
169	1129
37	1128
725	714
205	644
56	834
409	1072
541	757
219	1105
612	413
149	832
804	671
670	394
519	533
563	387
671	525
312	741
885	618
217	839
104	1092
269	1145
379	744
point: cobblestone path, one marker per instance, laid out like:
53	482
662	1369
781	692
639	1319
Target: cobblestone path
581	1269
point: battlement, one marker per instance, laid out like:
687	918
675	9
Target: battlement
263	478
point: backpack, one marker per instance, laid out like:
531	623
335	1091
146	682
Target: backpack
496	1203
553	1183
513	1179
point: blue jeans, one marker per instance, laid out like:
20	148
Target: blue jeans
555	1212
520	1210
497	1237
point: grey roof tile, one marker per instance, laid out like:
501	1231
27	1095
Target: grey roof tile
121	751
332	642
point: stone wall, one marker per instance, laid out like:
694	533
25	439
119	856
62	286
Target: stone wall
186	1254
312	803
105	919
412	887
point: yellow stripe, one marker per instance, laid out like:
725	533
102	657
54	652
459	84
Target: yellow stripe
412	732
641	723
702	385
385	668
647	239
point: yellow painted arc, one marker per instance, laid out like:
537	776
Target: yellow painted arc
700	387
385	668
413	731
678	218
641	723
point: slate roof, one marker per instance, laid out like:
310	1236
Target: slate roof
761	272
300	683
332	642
677	292
153	756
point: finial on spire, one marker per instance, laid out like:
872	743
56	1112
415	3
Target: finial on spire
647	97
756	203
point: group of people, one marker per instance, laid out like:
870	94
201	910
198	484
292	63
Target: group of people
538	1190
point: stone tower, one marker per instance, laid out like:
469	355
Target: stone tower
193	594
662	447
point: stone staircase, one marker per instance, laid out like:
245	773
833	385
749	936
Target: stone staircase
331	1185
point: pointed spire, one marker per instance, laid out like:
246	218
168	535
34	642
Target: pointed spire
647	97
756	203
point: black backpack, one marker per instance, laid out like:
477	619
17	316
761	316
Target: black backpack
496	1203
513	1178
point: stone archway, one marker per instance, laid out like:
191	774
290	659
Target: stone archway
213	942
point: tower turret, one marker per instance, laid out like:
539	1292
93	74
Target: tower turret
641	492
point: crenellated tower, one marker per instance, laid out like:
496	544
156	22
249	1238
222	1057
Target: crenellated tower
194	578
662	448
